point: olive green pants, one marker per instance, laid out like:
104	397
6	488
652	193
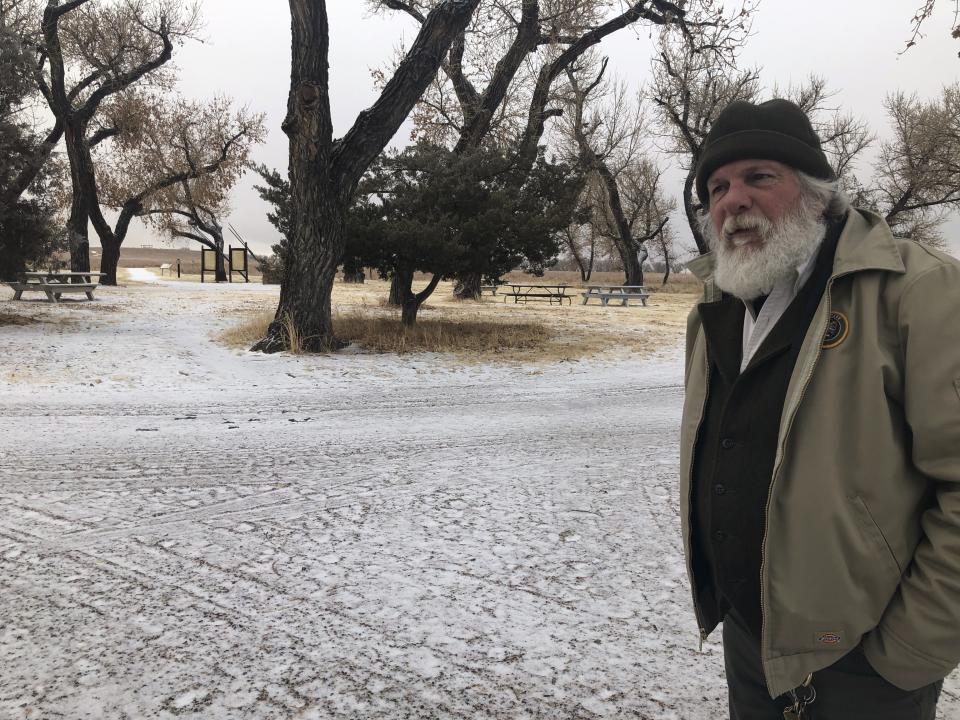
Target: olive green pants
847	690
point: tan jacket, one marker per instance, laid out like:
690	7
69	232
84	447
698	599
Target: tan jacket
863	518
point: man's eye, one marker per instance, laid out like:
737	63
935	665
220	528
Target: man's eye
717	189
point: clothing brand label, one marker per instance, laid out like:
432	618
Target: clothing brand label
837	329
829	638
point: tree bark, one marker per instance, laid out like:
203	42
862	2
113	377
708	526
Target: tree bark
353	272
397	281
411	301
324	173
467	286
627	247
691	207
659	13
77	237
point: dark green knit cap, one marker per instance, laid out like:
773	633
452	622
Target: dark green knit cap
774	130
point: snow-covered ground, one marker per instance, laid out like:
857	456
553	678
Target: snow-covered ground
192	531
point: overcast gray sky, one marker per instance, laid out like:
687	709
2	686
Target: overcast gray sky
852	43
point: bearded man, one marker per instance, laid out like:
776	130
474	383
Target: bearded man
820	442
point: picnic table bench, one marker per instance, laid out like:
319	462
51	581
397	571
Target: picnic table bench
492	289
623	293
54	283
550	293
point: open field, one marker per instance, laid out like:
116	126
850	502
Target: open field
562	332
193	531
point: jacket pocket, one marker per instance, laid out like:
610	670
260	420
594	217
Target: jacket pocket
875	536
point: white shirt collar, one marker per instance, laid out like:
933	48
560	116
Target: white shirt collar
757	327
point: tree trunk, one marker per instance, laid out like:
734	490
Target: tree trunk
691	207
666	258
408	313
78	222
78	239
310	267
353	271
109	261
632	270
467	286
412	301
323	174
220	268
626	246
398	282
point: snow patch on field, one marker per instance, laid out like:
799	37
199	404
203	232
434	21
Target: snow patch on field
191	531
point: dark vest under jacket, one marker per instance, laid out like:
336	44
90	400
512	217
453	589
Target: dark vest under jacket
737	443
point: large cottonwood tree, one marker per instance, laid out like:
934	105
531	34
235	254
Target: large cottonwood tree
324	171
171	161
500	72
630	208
89	51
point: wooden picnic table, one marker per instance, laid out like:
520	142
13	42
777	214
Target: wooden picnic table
524	292
62	276
55	283
623	293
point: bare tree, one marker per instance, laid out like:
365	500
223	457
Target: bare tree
923	13
608	146
693	80
842	135
169	154
580	241
189	218
917	175
518	49
324	172
91	50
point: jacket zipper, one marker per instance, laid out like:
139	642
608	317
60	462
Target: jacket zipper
776	473
696	437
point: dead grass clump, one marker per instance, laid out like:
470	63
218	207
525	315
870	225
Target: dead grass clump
679	283
379	334
7	319
247	332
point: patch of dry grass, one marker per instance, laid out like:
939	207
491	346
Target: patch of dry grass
247	331
378	333
490	330
8	319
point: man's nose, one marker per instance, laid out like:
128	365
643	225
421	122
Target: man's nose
737	199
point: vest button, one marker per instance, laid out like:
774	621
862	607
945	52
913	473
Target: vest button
727	443
719	489
720	535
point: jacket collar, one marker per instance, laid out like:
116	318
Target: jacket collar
866	243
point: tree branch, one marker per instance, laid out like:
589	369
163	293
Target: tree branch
375	126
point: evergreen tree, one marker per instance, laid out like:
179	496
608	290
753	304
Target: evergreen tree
430	210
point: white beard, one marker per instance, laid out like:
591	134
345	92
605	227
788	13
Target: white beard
749	272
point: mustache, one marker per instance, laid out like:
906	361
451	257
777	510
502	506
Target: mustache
760	223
